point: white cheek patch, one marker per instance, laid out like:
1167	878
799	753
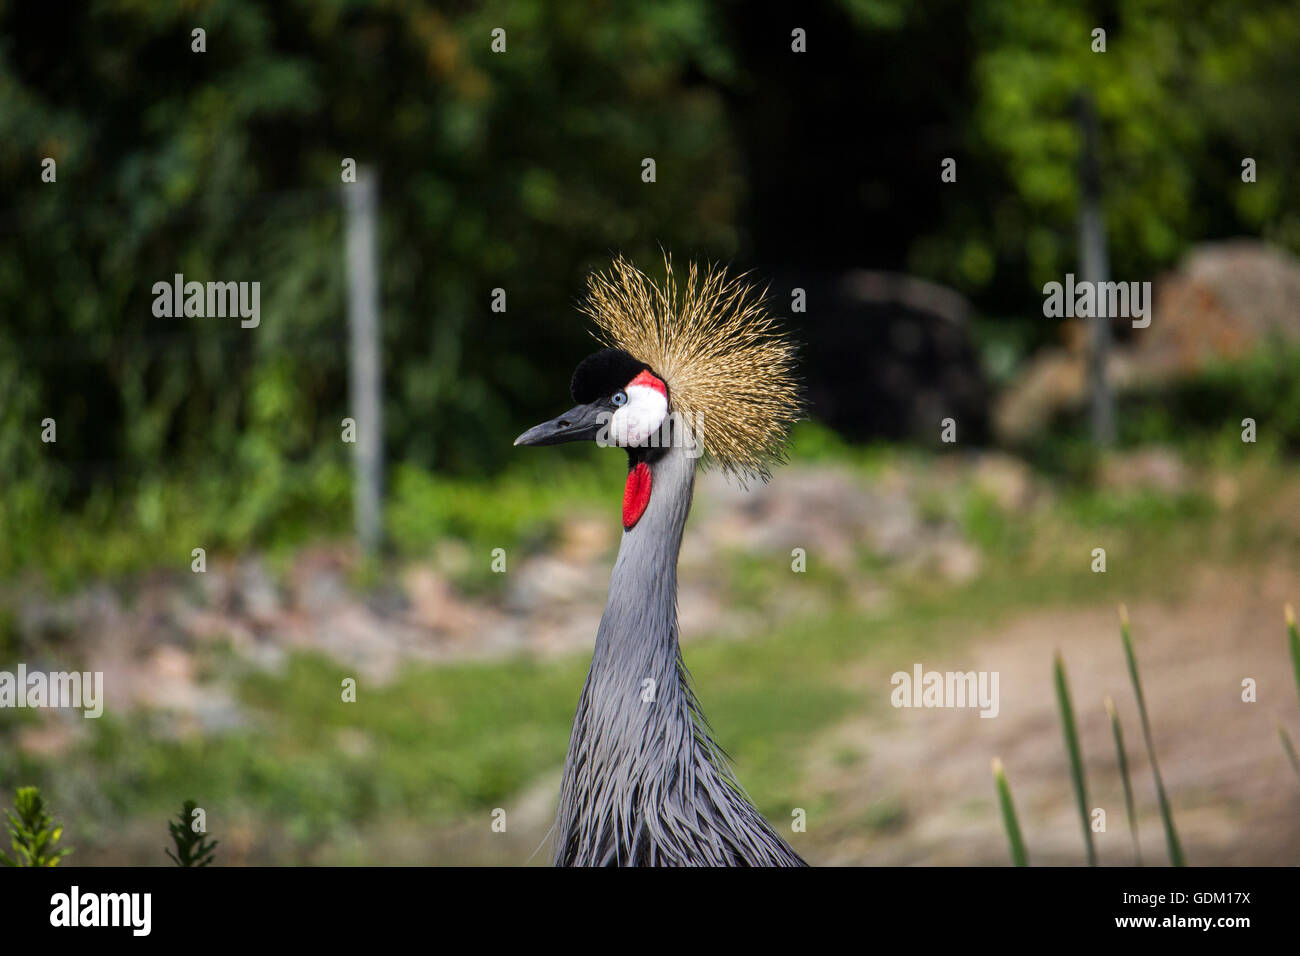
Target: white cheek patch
640	418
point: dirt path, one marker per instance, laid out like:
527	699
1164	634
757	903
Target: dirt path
924	794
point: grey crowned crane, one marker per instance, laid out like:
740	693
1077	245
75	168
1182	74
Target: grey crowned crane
705	371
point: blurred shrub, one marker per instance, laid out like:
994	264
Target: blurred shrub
1200	415
517	170
521	171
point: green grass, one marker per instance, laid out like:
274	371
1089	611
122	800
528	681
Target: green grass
1292	758
1293	642
115	532
886	816
281	506
1122	757
1019	857
1075	753
1166	812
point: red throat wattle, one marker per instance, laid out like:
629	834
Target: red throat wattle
636	495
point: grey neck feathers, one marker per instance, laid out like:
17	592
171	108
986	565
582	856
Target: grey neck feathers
644	784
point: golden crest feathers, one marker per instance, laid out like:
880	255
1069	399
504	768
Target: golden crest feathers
728	367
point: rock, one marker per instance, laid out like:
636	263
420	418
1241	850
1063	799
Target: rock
829	512
1224	301
355	743
1160	469
318	580
887	355
47	739
1007	480
1050	382
434	604
452	557
956	561
585	540
547	580
1225	490
171	664
1053	382
255	592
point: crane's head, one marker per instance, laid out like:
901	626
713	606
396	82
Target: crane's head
707	369
620	402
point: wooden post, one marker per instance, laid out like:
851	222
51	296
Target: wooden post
365	365
1094	264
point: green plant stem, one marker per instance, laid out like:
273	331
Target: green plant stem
1166	813
1018	855
1122	757
1075	753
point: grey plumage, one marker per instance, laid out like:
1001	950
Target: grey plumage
644	783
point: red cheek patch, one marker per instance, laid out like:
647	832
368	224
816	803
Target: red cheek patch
636	495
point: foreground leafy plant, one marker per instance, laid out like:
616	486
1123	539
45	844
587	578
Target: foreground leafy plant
1018	855
192	847
32	832
1166	814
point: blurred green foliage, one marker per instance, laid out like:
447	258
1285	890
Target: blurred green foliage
1188	414
1184	92
519	171
33	833
193	848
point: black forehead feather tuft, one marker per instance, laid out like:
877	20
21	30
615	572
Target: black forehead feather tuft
602	374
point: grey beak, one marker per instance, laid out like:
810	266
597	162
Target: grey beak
580	423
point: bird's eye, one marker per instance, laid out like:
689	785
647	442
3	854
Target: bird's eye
619	398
